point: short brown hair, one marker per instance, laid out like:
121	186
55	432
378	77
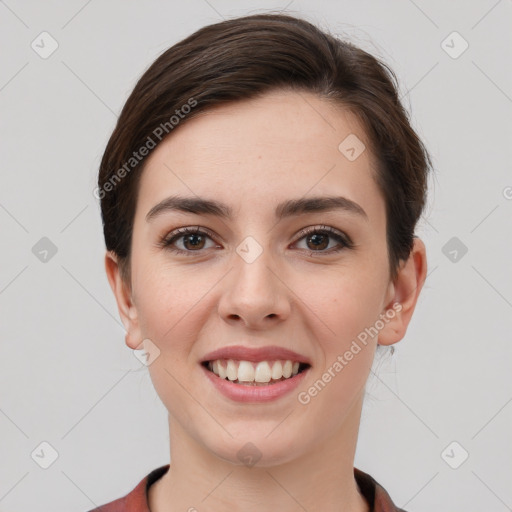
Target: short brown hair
243	58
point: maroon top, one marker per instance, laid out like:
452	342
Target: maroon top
137	500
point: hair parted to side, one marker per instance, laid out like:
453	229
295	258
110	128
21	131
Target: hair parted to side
243	58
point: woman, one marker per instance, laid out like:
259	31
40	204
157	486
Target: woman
259	197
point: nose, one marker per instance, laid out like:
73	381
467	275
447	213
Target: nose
254	294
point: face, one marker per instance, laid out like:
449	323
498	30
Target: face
307	280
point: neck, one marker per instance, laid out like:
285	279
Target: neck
321	478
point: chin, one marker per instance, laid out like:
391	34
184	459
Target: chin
259	451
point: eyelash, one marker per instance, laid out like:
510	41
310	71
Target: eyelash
167	241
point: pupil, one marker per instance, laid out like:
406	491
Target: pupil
316	237
195	243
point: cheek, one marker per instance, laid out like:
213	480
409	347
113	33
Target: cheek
346	301
168	304
349	307
166	298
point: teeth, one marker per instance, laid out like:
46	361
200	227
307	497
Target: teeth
246	371
277	370
231	370
287	369
262	372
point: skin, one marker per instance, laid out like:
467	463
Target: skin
251	155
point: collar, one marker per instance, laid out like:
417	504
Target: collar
137	500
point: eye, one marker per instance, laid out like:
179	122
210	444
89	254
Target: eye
192	239
319	238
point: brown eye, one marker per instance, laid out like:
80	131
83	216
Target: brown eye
195	240
318	241
187	240
324	240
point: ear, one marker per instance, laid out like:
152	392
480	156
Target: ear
122	292
403	295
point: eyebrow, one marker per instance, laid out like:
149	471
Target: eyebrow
285	209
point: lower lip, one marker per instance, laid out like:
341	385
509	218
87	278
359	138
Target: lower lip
242	393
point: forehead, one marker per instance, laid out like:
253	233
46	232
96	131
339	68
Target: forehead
261	151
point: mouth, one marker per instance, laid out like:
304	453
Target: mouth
255	373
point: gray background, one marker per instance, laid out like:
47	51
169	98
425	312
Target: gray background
66	376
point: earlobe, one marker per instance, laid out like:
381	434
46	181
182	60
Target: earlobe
405	291
122	293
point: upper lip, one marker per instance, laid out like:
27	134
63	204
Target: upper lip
268	353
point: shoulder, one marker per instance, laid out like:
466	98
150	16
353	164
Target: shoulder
377	497
137	499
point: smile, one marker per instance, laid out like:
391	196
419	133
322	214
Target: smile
255	373
249	390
